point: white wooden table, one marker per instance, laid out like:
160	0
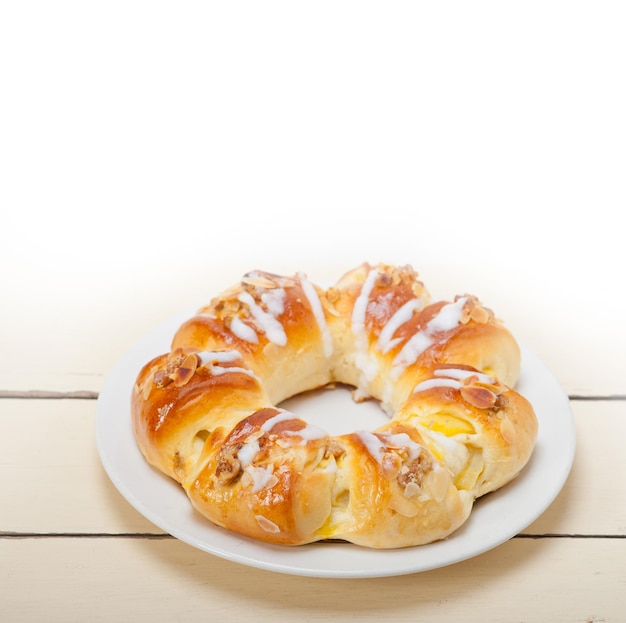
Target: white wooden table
150	155
73	549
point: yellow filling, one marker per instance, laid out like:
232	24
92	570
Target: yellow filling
469	475
448	425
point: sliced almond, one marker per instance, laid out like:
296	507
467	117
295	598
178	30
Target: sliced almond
507	430
439	482
258	281
411	490
496	387
479	397
246	479
146	390
272	481
406	508
191	361
266	524
479	314
182	375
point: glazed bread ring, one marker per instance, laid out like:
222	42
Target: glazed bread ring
208	412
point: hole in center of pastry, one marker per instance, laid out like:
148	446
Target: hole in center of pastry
335	411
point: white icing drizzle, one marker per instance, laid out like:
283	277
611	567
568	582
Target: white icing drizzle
243	331
210	358
219	356
453	377
448	316
402	440
360	305
217	370
272	328
377	446
282	416
431	383
248	451
412	350
274	301
446	319
367	365
457	373
308	433
251	447
318	312
262	477
374	445
401	316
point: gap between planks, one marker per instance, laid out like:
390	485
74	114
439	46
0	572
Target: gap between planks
37	394
156	536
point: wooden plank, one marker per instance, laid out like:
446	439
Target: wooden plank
76	580
53	480
88	324
593	500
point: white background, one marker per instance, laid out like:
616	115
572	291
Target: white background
149	146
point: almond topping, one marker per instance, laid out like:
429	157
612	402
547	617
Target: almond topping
162	378
182	375
258	281
411	490
474	380
479	314
439	484
403	506
147	389
496	387
266	524
507	430
479	397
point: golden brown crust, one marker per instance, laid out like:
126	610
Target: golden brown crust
205	413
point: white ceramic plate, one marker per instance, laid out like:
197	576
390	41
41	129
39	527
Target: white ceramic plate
495	518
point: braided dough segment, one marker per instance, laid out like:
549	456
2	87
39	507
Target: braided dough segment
481	429
173	419
260	471
292	484
271	320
